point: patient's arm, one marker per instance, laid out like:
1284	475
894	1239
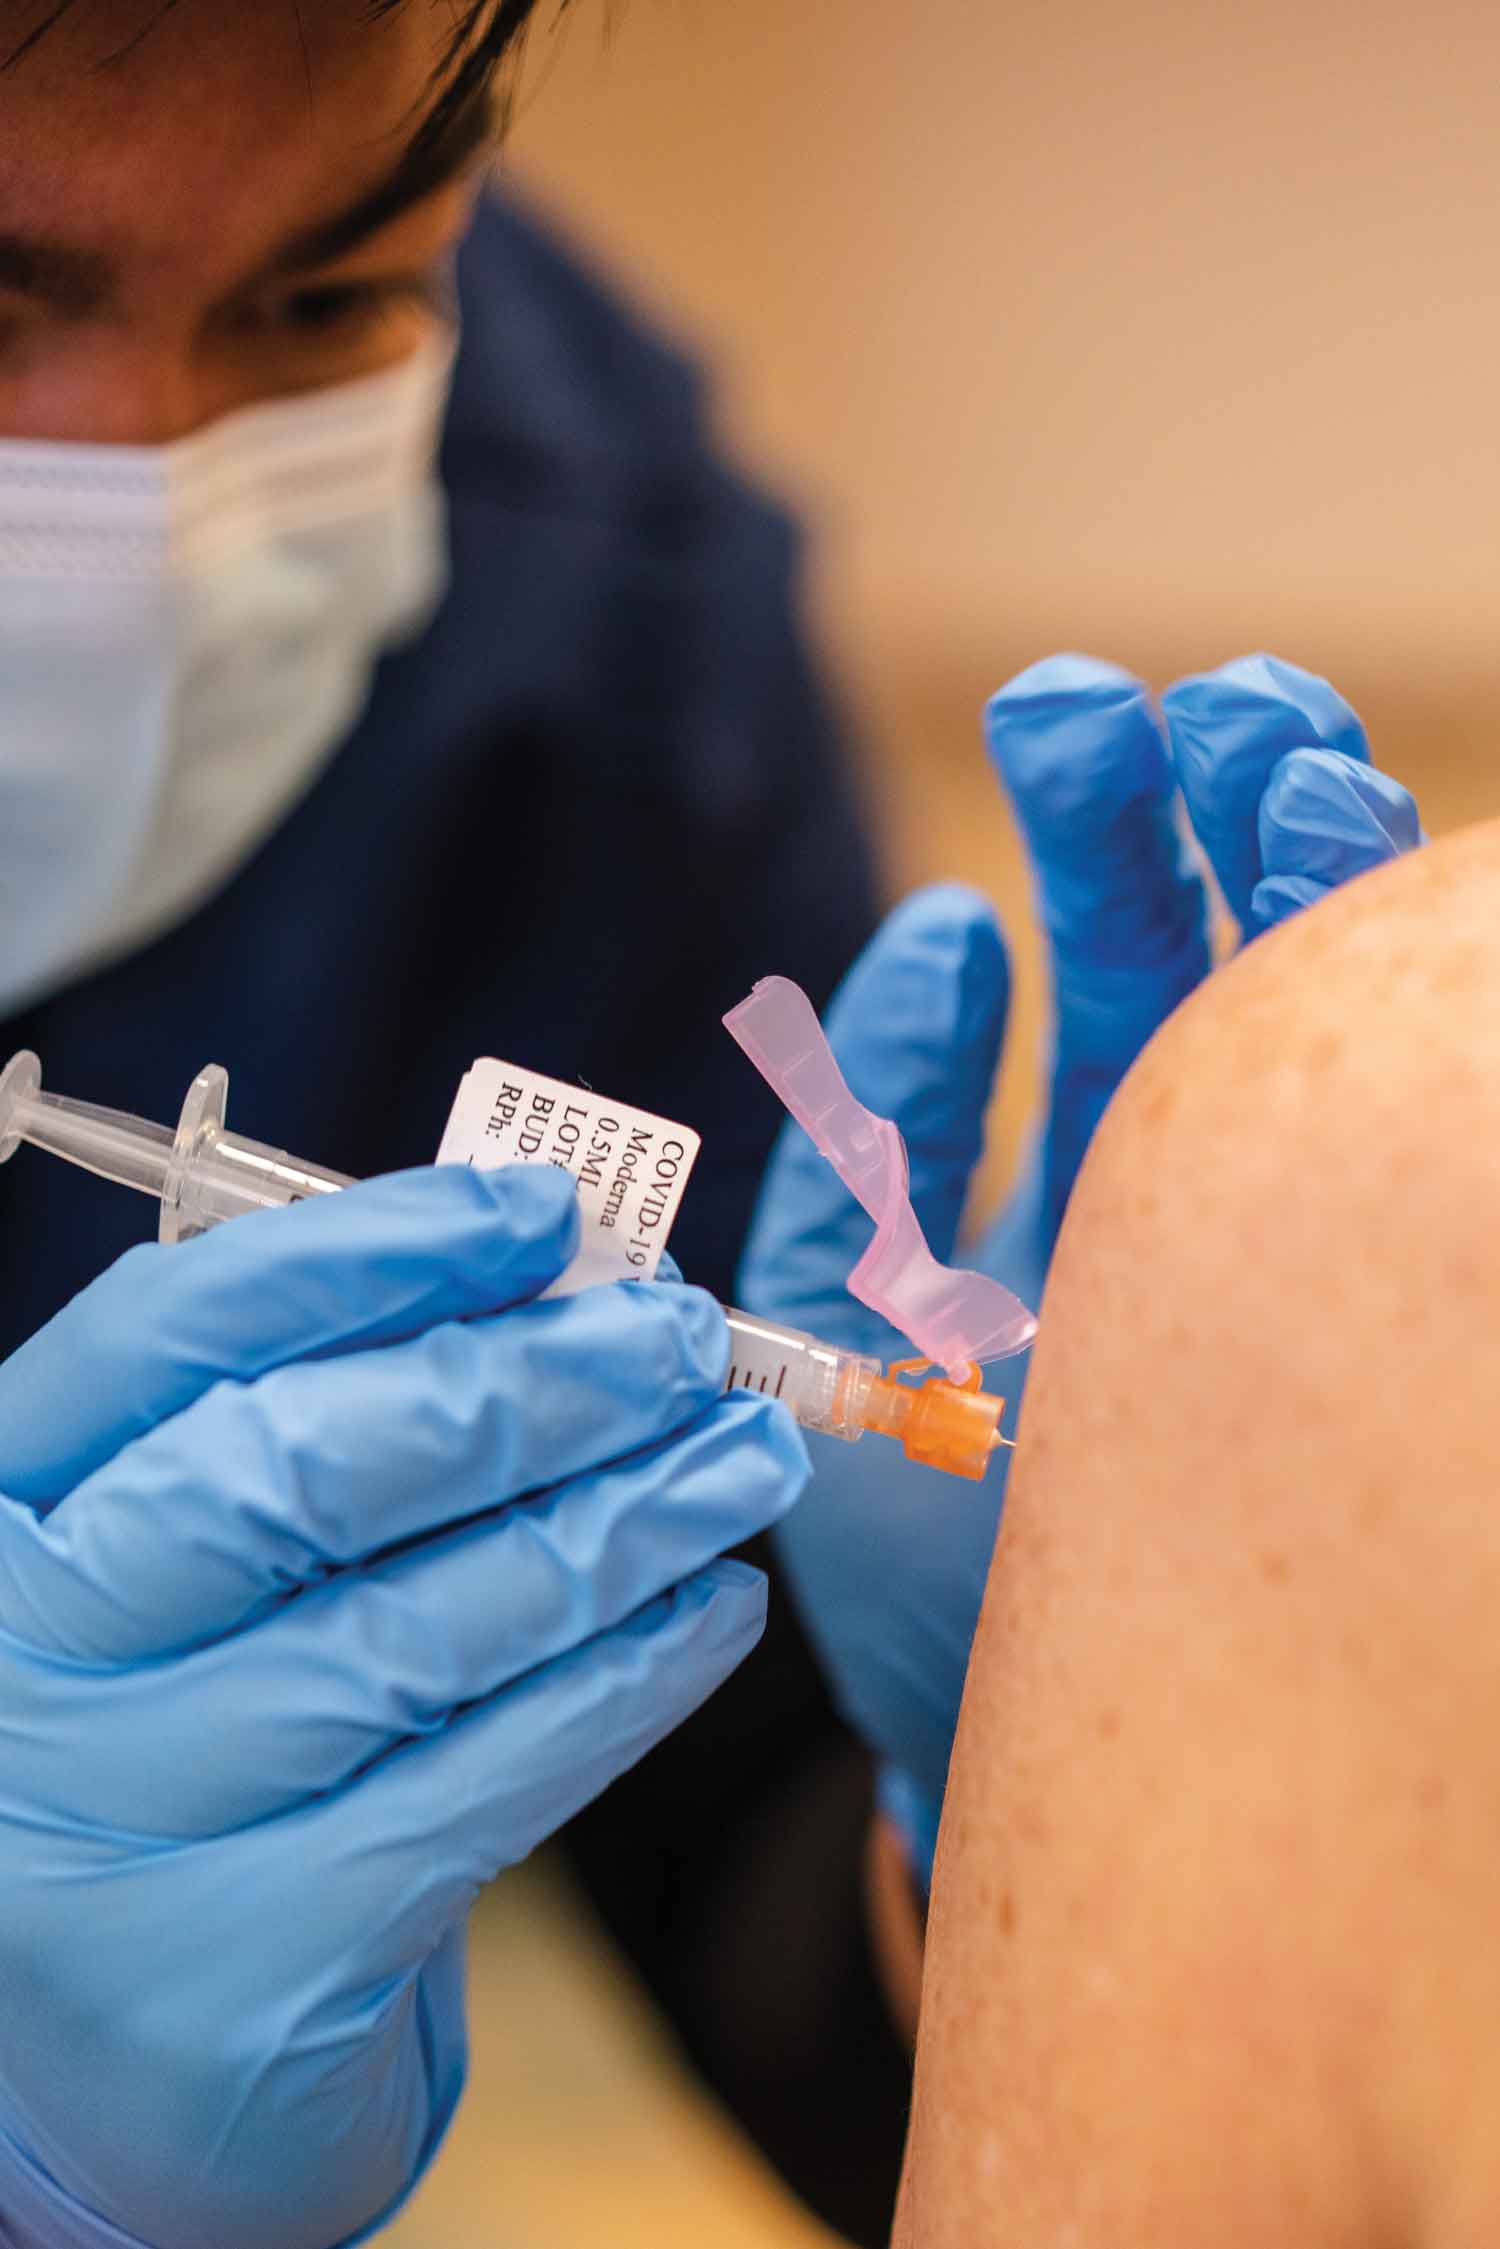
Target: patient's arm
1214	1956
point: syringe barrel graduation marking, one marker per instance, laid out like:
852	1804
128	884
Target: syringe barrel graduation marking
825	1388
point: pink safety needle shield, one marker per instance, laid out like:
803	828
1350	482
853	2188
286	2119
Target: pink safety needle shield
955	1318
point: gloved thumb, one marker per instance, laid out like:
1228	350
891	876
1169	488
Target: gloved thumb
917	1026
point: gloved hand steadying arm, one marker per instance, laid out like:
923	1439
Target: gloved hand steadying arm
335	1573
888	1561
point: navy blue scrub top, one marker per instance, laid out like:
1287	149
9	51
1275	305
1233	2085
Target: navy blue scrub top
579	817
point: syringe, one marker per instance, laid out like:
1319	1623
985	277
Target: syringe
202	1174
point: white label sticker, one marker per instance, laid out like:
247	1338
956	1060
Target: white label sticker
631	1167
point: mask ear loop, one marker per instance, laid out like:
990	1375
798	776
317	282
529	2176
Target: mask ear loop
958	1318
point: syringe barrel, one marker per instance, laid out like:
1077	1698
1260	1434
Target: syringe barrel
214	1174
230	1175
825	1389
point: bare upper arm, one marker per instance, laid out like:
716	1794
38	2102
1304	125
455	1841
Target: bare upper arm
1214	1959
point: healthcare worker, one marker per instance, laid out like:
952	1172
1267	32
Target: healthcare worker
336	1570
344	771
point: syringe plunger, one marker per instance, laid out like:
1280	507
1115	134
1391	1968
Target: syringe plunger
200	1173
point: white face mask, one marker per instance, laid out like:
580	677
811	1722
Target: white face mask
187	632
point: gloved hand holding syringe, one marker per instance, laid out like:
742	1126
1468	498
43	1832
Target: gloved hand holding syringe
202	1174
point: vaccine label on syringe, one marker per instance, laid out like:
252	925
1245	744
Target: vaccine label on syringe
631	1167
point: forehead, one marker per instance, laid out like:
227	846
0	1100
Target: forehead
201	134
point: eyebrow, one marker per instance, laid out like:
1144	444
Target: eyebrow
73	281
76	281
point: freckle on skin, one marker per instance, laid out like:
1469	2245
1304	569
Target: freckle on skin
1007	1915
1109	1725
1159	1103
1032	1826
1372	1508
1275	1569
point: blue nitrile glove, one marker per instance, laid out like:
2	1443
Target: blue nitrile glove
888	1561
1259	733
336	1574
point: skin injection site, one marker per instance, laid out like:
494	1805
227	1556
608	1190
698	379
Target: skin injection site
749	1103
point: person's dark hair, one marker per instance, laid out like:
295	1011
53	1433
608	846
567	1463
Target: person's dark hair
486	34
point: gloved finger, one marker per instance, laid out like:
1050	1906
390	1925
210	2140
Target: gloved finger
1324	819
1276	898
1080	749
1228	729
383	1259
892	1616
401	1855
917	1026
264	1488
311	1697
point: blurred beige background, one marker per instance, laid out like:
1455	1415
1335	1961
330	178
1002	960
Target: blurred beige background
1166	331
